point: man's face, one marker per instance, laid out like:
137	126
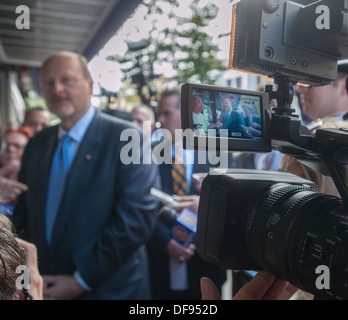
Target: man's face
66	89
197	106
169	114
15	145
37	120
226	106
318	102
141	115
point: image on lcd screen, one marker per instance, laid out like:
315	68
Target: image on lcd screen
239	114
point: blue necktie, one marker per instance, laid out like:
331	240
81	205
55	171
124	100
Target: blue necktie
59	169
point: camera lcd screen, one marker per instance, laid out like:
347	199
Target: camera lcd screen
236	116
239	114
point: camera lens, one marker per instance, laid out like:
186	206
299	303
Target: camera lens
287	233
276	209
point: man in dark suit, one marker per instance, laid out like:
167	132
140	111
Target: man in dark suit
176	270
90	240
235	123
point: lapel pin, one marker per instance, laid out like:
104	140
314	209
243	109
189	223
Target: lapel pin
88	157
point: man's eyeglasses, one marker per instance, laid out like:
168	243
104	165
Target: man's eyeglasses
15	145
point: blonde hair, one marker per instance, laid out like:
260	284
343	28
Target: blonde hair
12	255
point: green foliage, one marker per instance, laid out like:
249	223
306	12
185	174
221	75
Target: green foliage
33	100
187	47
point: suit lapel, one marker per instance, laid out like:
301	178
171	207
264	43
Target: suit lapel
166	178
45	154
81	168
43	178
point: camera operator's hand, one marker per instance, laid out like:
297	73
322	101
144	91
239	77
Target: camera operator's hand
262	287
179	253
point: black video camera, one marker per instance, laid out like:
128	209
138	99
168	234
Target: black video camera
274	221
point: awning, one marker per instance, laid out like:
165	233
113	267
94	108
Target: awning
82	26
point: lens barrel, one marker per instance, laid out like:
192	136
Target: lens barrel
287	235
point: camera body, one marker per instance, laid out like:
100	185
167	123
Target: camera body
239	189
274	221
254	220
260	220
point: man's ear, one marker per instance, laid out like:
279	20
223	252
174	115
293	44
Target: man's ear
90	81
343	85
